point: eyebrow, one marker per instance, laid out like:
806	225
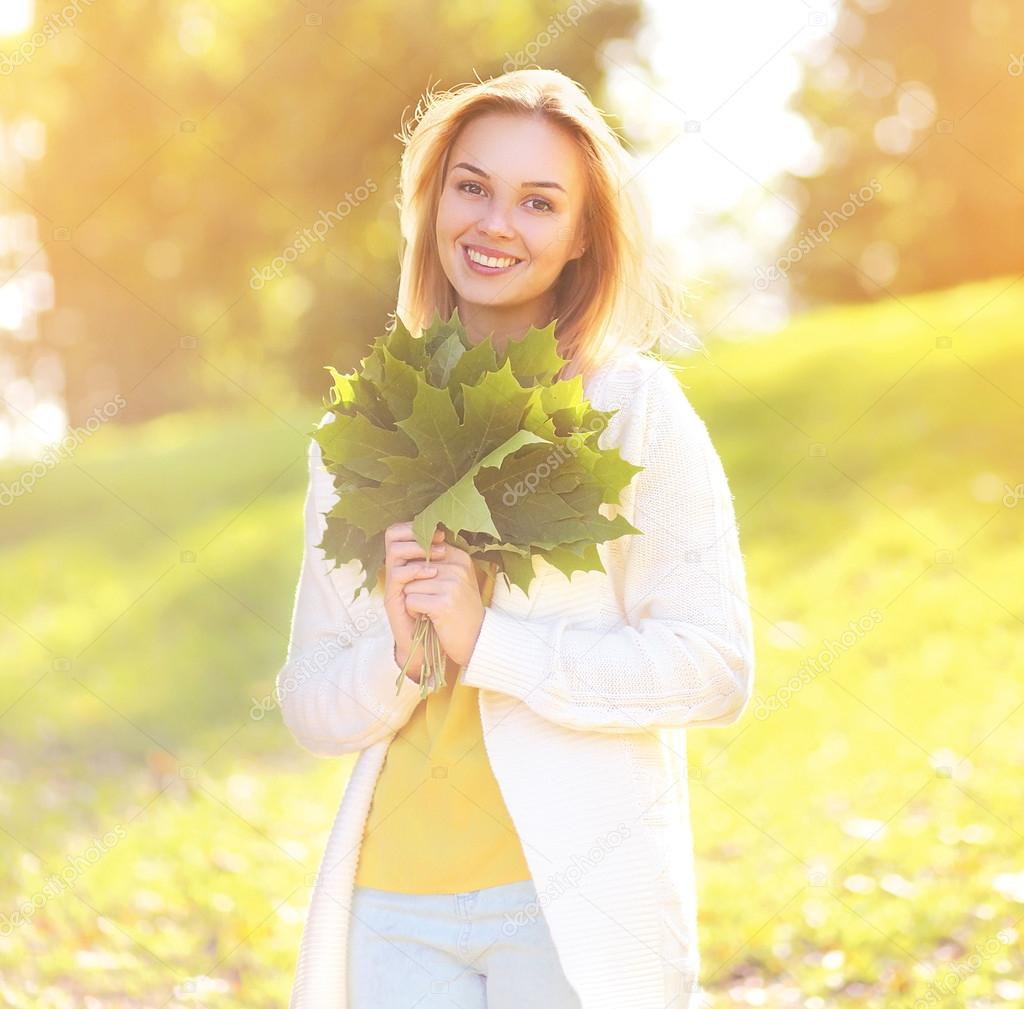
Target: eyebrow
525	185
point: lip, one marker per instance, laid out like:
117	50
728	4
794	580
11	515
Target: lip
495	253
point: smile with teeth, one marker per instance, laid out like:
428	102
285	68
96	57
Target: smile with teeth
490	263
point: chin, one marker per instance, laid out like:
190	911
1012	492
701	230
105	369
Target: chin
470	298
487	293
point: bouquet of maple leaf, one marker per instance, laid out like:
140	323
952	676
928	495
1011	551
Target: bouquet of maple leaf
488	444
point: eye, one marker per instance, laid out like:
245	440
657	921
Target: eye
462	185
537	199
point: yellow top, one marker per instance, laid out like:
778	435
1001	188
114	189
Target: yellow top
438	822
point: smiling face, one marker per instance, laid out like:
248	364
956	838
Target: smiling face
509	219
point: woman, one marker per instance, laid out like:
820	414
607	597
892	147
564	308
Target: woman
522	837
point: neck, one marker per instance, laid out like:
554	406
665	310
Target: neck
502	323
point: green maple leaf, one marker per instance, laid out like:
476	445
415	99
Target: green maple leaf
400	383
403	345
470	369
569	560
358	444
535	358
611	471
440	330
436	430
443	361
521	500
453	450
462	506
518	571
373	508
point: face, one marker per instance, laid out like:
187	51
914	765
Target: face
509	219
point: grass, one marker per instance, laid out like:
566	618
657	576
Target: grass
858	832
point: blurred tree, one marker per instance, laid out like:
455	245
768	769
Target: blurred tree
916	107
216	197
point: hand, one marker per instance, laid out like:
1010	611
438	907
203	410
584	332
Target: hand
404	562
452	601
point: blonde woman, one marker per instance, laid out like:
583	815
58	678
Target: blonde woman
521	837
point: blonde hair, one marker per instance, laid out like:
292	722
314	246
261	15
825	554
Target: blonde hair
618	295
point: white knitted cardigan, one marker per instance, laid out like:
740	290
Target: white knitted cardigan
586	689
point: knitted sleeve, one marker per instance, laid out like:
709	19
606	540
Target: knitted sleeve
682	655
337	687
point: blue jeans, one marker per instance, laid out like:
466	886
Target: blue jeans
482	949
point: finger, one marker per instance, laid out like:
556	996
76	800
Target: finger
395	536
396	587
427	586
406	573
420	602
412	551
454	553
401	531
413	545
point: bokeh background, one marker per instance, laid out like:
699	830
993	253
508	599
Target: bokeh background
197	214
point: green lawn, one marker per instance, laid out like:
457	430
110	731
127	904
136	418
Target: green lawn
858	831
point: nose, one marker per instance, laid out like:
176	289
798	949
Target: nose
496	221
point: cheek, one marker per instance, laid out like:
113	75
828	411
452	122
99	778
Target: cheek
453	217
547	243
